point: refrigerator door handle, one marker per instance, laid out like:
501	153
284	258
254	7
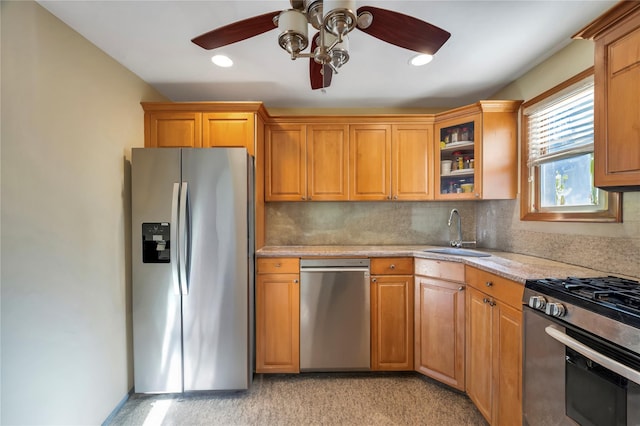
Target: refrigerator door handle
183	238
173	245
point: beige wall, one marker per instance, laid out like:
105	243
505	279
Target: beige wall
612	248
70	115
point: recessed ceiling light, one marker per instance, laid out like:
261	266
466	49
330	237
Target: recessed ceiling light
420	60
222	61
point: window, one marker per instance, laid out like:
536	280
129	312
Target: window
557	157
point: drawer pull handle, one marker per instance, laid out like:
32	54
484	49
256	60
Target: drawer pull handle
489	284
392	266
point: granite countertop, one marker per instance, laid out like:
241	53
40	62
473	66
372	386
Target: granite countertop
516	267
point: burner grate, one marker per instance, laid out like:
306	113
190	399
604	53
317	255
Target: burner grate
614	293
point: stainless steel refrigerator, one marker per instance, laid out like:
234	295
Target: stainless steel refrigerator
192	269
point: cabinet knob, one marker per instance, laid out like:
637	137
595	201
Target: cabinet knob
395	197
460	288
388	197
489	284
309	198
295	281
392	266
277	265
303	198
374	280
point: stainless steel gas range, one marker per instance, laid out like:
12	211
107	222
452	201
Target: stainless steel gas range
581	352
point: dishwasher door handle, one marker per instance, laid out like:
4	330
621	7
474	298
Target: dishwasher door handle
366	270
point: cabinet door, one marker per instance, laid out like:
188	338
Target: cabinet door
392	322
370	162
228	129
617	106
439	330
412	162
277	323
285	163
458	142
507	342
327	162
479	356
170	129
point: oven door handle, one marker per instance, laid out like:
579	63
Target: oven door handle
593	355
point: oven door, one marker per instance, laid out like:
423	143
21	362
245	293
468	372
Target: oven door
572	377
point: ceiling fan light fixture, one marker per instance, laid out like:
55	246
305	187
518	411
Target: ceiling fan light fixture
339	16
420	60
339	53
314	13
293	27
222	61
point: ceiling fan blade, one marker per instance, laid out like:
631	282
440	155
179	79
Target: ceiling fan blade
237	31
320	75
404	31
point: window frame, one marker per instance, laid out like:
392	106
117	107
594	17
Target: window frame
613	213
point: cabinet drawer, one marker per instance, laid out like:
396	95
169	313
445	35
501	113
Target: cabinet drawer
278	265
509	292
392	266
451	271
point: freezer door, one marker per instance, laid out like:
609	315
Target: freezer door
157	324
216	308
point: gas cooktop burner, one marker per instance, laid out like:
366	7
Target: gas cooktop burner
615	297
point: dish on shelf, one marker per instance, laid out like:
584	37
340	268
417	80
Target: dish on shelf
457	144
460	172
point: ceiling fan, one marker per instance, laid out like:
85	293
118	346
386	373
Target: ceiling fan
333	19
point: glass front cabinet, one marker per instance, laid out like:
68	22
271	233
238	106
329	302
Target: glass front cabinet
476	148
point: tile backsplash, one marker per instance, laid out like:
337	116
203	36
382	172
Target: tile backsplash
357	223
611	248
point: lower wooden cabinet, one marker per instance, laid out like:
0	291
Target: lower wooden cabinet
439	321
392	314
494	346
277	316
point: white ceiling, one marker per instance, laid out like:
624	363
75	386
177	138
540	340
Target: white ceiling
492	44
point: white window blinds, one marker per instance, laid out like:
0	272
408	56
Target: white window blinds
561	127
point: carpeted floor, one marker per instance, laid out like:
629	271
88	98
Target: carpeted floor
311	399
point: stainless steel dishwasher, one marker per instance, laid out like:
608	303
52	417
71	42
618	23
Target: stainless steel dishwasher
334	315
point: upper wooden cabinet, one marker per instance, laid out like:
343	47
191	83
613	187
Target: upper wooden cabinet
285	174
327	162
306	162
391	161
202	124
481	142
617	103
370	162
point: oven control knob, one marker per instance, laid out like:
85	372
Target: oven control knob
555	309
537	302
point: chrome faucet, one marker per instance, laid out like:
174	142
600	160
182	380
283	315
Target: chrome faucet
458	241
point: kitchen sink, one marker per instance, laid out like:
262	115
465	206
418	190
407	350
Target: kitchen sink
458	252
